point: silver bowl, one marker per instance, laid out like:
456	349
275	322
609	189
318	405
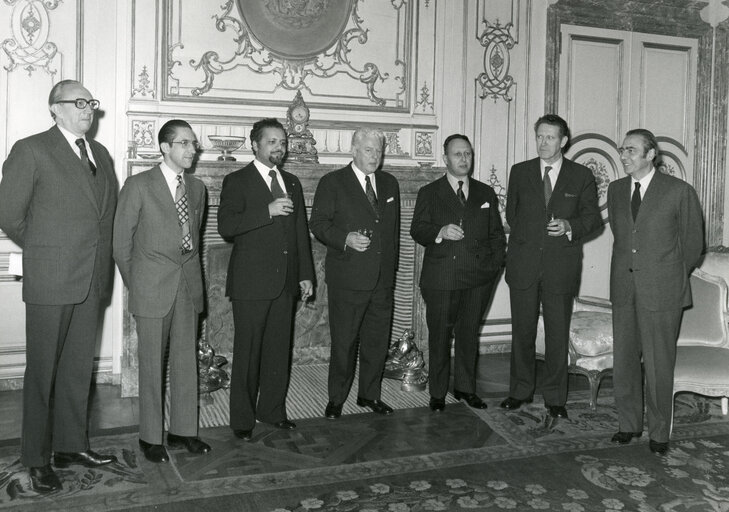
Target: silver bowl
227	144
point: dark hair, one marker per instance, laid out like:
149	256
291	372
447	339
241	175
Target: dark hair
258	127
649	140
169	130
57	92
454	137
555	120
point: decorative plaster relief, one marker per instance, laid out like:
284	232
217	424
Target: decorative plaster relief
143	88
143	134
423	144
424	102
392	144
364	62
495	183
29	47
496	81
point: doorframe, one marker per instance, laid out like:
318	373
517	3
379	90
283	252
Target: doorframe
675	19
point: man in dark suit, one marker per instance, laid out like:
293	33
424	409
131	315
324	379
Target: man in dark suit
551	206
356	214
57	202
658	238
457	220
262	209
157	250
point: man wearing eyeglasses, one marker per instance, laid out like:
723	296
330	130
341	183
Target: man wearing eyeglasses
57	202
156	247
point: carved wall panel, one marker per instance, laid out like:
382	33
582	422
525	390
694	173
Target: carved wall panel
238	52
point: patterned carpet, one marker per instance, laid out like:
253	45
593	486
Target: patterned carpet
413	460
307	397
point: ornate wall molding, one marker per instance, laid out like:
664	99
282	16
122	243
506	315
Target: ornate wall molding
29	47
495	81
230	60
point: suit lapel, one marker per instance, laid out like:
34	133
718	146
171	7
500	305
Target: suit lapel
354	189
562	180
71	164
449	197
653	194
535	178
161	191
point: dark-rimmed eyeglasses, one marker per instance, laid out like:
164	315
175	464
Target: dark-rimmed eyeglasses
81	103
187	143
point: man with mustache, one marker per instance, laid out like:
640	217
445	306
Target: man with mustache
157	250
262	210
57	202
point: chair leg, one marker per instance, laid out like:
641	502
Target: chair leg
594	378
724	405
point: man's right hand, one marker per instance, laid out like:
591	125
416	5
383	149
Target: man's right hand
357	242
450	232
281	206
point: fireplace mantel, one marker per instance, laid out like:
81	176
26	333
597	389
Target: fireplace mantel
311	331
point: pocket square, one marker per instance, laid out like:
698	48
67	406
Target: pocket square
390	199
486	205
567	194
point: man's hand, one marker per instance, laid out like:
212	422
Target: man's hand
281	206
357	242
558	227
450	232
307	289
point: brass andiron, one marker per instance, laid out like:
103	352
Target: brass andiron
211	376
405	362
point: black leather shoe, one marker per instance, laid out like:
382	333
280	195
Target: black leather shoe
625	437
377	406
333	411
246	435
659	448
154	452
192	444
285	425
514	403
44	479
471	399
557	411
437	404
89	458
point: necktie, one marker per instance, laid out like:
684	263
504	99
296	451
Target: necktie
461	195
635	201
371	197
276	189
547	185
85	156
183	215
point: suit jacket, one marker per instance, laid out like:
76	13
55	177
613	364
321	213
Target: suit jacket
340	207
655	254
49	207
532	253
147	239
477	258
268	253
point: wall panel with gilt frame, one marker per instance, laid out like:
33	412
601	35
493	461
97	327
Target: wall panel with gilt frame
346	54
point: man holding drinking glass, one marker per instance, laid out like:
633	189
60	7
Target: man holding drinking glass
262	210
457	220
551	206
356	214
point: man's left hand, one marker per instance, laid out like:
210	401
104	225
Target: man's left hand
307	288
558	227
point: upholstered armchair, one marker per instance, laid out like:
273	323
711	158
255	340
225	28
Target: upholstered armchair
591	342
702	359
